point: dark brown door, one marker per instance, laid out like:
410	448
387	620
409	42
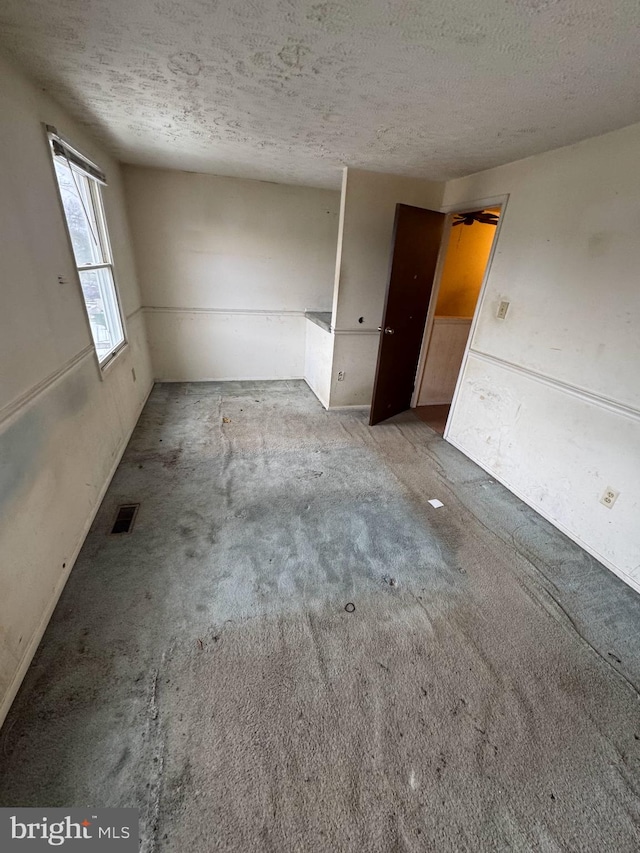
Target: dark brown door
417	234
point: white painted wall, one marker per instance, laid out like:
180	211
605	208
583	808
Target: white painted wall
63	427
201	345
549	401
355	355
318	360
368	213
366	229
227	269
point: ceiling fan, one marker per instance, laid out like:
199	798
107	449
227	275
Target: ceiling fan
476	216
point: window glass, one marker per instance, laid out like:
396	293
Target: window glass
99	297
80	214
82	207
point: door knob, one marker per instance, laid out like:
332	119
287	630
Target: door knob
389	331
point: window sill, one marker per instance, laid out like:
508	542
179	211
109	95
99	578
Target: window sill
106	365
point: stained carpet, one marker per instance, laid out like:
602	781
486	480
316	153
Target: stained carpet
294	651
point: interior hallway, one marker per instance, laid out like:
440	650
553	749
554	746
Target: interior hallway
481	696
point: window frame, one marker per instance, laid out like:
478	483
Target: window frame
92	183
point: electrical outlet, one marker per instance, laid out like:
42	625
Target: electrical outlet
502	310
341	376
609	497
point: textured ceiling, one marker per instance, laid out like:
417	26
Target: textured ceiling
292	90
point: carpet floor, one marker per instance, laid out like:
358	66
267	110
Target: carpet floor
294	651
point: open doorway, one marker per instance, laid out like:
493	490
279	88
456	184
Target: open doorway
471	236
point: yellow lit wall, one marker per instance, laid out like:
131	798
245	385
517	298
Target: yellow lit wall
464	266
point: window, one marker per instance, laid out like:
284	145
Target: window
79	182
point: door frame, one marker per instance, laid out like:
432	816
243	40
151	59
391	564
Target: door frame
451	210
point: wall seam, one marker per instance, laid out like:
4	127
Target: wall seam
10	409
355	331
573	390
155	309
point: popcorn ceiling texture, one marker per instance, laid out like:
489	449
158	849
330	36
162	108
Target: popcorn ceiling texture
292	90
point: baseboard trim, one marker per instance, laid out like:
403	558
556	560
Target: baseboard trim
561	527
352	407
34	642
232	379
